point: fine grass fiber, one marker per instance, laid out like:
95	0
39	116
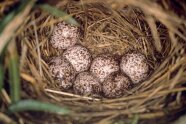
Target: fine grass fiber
115	27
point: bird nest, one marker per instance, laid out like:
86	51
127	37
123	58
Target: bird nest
152	32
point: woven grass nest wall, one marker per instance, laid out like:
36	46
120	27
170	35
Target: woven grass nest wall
115	28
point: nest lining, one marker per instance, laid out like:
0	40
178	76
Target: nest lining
105	30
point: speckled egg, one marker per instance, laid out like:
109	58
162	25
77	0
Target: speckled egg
102	66
79	57
62	72
64	36
135	66
116	85
86	84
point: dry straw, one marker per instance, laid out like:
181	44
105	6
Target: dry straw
115	27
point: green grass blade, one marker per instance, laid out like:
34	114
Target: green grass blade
59	13
12	14
135	119
2	56
32	105
6	20
14	76
1	76
8	26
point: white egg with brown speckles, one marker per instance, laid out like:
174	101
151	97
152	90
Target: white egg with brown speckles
79	57
64	36
135	66
116	85
102	66
86	84
62	72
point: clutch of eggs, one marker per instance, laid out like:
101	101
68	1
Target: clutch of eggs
72	68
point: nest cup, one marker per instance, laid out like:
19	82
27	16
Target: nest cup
105	30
